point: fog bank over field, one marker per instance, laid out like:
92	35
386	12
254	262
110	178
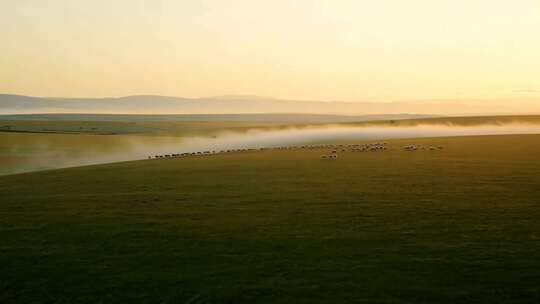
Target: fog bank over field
23	152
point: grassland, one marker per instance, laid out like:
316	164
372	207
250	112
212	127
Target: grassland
453	226
20	152
47	141
197	125
169	128
464	121
175	125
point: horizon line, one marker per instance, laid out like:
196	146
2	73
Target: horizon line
270	98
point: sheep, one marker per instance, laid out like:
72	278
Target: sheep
410	148
330	156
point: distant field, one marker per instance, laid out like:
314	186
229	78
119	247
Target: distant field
461	121
175	128
283	226
21	152
185	125
178	125
45	141
250	118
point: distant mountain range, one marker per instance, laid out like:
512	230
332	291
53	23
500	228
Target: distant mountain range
150	104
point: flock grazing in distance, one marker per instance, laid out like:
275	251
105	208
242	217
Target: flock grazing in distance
333	153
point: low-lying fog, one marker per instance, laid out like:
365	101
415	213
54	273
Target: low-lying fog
30	152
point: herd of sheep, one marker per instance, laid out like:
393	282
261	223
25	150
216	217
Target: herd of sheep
186	154
415	147
333	154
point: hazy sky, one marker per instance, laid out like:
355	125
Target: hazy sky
352	50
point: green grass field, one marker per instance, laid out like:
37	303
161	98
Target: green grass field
465	121
459	225
40	142
23	152
169	128
126	124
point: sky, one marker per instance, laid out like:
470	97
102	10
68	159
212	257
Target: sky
348	50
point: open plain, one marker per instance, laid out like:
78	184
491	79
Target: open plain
454	225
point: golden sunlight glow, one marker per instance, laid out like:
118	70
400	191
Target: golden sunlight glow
351	50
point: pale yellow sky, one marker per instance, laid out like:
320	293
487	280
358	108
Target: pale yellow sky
351	50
